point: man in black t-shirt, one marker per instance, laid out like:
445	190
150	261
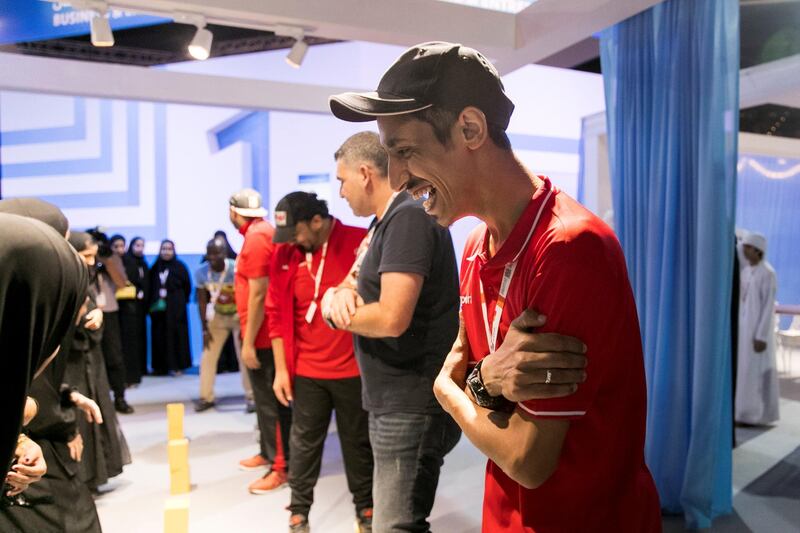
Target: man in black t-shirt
401	302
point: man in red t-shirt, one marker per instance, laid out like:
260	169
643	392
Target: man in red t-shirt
315	365
250	285
557	462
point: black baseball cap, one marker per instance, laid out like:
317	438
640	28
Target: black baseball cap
438	74
296	207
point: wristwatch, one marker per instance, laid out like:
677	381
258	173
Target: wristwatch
482	396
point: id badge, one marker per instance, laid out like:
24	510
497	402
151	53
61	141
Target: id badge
162	293
310	313
140	295
100	300
210	312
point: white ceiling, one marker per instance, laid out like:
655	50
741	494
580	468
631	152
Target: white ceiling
511	40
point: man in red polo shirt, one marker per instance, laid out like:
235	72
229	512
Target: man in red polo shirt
315	365
250	285
556	462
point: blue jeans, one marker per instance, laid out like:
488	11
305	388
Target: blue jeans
409	450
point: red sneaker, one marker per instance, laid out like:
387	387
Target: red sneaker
257	462
273	480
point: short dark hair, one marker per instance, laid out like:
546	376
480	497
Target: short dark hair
364	146
442	120
309	207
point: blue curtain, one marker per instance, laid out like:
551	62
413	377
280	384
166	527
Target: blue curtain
671	78
768	201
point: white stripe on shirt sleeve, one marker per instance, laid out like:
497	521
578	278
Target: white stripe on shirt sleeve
551	413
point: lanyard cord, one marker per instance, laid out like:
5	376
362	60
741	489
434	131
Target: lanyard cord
508	275
309	258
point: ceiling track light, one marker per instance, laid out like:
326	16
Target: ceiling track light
200	45
100	27
295	56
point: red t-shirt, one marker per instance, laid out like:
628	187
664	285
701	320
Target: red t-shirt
253	262
573	271
319	351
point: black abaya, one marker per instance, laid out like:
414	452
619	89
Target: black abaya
42	285
169	331
133	318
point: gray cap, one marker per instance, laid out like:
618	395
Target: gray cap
247	203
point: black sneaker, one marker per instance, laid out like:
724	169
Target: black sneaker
122	407
299	524
203	405
364	521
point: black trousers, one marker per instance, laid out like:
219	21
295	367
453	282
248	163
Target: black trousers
314	401
112	353
270	413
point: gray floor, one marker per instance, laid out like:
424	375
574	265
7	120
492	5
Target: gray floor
766	473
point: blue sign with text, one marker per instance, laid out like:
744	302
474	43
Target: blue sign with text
37	20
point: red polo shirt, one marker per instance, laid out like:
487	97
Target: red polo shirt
573	271
316	350
253	262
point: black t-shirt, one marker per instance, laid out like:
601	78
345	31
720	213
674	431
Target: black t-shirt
398	373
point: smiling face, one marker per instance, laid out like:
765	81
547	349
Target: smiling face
426	168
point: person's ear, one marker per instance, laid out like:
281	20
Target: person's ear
365	175
471	128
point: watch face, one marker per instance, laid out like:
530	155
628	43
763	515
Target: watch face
477	388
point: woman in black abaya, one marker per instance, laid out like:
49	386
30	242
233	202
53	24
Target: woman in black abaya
42	286
133	313
170	288
105	448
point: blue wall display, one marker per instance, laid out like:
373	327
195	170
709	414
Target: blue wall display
37	20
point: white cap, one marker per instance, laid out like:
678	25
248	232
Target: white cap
756	240
247	203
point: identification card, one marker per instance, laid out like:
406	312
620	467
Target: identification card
311	310
162	293
140	295
210	312
101	300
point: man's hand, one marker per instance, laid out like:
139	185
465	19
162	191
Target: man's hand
759	346
452	378
207	338
282	386
76	448
249	356
519	368
88	406
30	466
94	319
343	305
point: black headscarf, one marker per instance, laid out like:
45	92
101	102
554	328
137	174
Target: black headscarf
114	238
229	249
38	209
178	278
42	286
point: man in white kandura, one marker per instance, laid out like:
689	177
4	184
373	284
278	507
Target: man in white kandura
757	375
